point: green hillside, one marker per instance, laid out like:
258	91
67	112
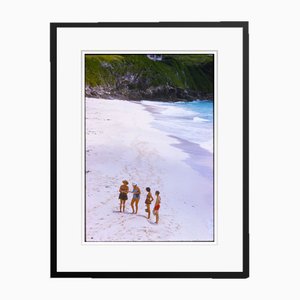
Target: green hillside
139	75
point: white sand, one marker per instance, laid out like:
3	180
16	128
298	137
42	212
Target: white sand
121	144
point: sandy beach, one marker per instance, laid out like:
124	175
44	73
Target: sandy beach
122	143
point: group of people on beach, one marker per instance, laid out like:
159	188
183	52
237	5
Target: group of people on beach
123	196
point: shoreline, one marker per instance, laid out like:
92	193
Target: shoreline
113	96
198	157
126	146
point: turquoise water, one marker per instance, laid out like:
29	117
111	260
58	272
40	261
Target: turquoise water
203	108
189	121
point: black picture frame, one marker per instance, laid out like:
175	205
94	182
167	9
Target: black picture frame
54	273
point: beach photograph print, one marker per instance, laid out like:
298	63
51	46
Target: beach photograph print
149	147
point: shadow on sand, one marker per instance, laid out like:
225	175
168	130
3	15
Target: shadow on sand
128	213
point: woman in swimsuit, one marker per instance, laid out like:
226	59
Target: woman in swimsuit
148	201
123	194
157	206
135	198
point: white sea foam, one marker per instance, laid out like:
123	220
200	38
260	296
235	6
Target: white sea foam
191	121
170	109
174	111
200	120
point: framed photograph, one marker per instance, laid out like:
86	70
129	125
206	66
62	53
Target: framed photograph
149	150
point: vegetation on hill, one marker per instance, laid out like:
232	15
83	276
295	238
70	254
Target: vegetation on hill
179	76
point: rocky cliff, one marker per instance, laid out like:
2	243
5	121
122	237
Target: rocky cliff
136	77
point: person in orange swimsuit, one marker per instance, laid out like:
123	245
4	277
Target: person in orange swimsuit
123	194
157	206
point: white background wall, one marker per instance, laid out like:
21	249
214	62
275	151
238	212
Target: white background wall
274	148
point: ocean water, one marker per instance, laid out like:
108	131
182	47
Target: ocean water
192	125
188	121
